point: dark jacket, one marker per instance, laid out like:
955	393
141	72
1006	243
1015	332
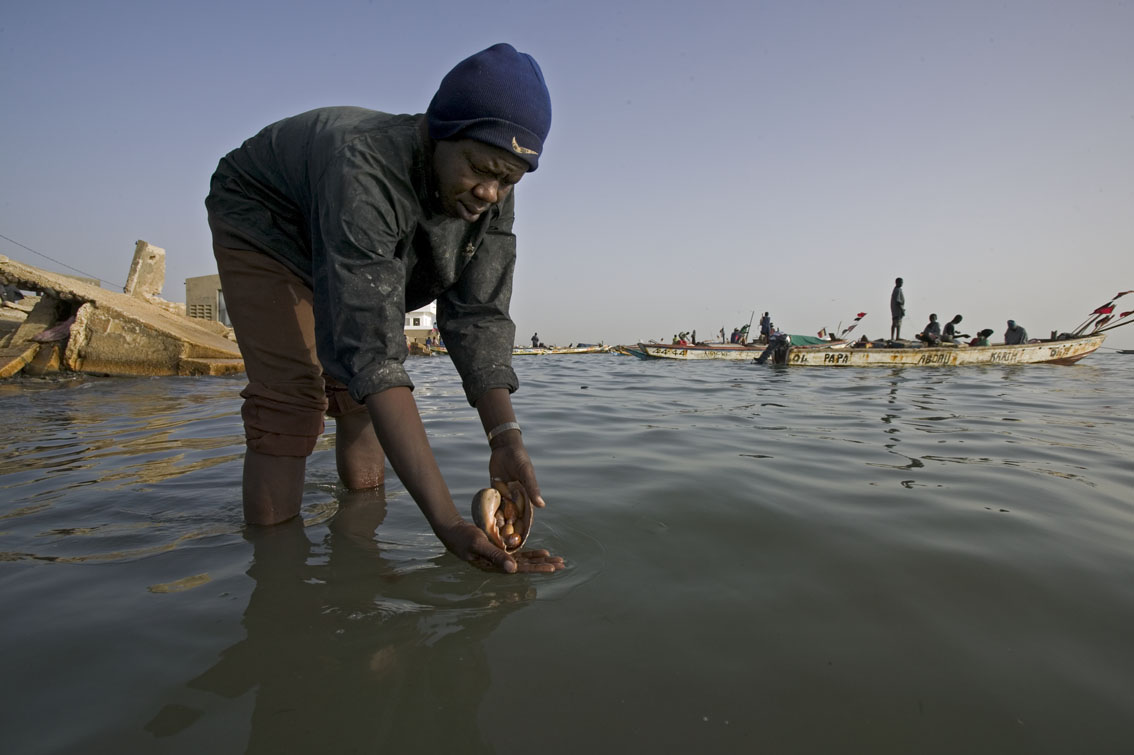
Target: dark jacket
342	197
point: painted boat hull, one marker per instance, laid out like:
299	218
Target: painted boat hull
520	351
716	351
1044	352
733	352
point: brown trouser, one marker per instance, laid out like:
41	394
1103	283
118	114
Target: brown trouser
287	395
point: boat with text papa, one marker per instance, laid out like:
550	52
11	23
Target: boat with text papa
1066	351
1064	348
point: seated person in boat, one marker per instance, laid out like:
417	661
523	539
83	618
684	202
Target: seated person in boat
1015	334
981	338
950	334
931	335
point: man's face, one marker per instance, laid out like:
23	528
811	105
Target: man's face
472	176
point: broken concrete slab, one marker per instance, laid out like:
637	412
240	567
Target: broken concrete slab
48	360
117	334
195	366
42	316
15	358
147	271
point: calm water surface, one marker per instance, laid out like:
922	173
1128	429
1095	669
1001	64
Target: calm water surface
761	559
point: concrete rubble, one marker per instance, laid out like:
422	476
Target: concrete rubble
77	326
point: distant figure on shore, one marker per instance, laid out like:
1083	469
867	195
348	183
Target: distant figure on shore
1015	334
950	334
931	336
897	310
535	340
981	338
765	328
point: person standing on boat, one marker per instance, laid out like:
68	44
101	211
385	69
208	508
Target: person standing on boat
765	328
327	227
535	340
1015	334
897	310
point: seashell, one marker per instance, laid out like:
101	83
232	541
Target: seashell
504	508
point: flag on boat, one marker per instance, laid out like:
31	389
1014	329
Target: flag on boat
822	333
853	325
1104	316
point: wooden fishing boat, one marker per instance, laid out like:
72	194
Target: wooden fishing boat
521	351
729	351
701	351
588	349
527	351
1065	351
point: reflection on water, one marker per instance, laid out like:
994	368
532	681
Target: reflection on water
340	650
73	428
769	559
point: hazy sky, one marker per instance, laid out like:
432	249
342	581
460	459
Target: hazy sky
706	159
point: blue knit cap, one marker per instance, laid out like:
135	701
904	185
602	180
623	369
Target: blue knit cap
497	96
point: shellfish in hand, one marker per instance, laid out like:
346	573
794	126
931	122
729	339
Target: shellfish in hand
504	512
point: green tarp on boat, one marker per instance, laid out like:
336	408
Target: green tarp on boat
806	340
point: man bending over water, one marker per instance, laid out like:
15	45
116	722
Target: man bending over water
327	227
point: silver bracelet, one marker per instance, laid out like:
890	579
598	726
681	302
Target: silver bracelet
503	428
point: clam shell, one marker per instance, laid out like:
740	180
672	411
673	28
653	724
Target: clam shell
490	502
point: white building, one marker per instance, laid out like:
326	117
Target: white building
420	323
